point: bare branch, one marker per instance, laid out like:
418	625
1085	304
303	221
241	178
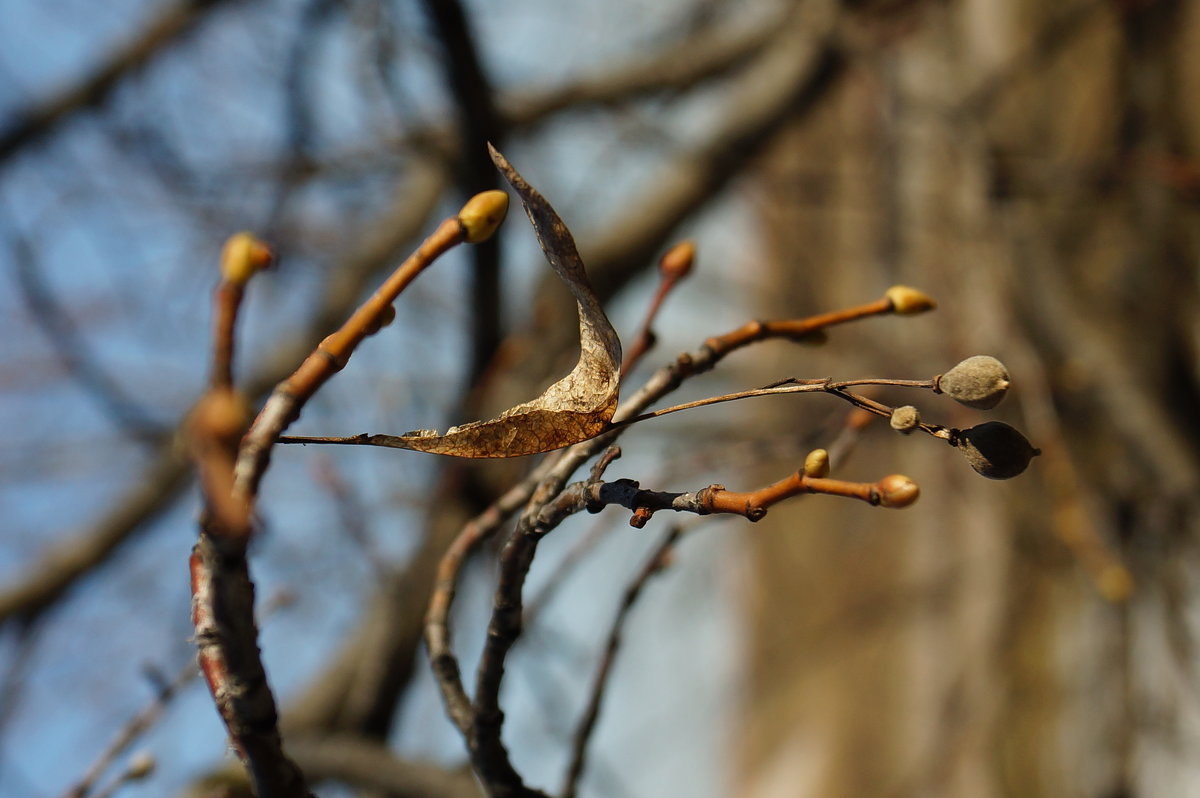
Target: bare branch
161	32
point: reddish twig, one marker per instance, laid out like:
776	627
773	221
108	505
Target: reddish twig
230	467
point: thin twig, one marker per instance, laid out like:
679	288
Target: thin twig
714	350
136	726
655	563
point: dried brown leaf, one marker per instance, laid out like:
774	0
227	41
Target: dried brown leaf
577	407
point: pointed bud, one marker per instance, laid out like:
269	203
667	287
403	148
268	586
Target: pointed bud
905	419
482	214
897	491
678	261
242	256
816	464
980	381
996	450
908	301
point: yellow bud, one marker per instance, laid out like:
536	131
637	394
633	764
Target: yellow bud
907	301
897	491
242	256
816	464
678	260
482	214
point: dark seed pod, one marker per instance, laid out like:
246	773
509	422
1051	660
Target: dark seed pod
980	381
905	419
995	449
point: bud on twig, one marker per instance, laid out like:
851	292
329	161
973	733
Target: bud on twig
897	491
482	214
996	450
905	419
242	256
386	317
980	381
816	464
678	260
908	301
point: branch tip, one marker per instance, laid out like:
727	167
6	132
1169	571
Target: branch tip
908	301
243	256
483	214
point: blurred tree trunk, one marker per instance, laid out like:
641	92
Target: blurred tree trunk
1034	167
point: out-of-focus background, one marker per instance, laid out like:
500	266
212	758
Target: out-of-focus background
1034	166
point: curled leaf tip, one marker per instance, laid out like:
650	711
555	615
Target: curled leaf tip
678	261
482	214
897	491
243	256
816	464
908	301
577	407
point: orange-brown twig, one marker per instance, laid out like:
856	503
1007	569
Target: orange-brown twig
675	265
242	256
475	222
892	491
898	299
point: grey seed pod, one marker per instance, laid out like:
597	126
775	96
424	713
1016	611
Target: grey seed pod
995	449
980	381
905	419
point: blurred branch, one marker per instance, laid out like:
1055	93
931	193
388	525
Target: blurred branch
40	120
129	416
655	563
157	487
711	52
43	582
479	125
369	765
136	726
1045	44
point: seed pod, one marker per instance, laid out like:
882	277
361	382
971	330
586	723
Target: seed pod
980	381
905	419
482	214
995	449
